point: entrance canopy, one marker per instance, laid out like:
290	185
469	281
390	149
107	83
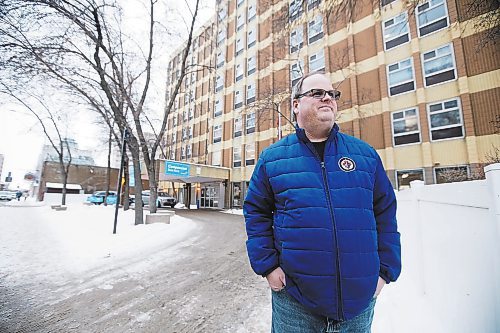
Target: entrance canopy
182	172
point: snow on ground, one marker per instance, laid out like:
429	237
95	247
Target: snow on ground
233	211
80	238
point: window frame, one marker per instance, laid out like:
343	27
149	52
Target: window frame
240	23
250	116
237	126
238	46
384	27
419	130
238	75
467	168
452	53
251	98
443	110
247	160
217	86
417	13
250	70
217	129
250	42
400	84
238	98
218	113
407	170
236	152
297	46
322	51
311	39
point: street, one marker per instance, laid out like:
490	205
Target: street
200	284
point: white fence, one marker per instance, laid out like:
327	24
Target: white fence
55	198
450	235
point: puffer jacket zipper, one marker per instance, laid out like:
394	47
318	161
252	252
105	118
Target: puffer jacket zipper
340	312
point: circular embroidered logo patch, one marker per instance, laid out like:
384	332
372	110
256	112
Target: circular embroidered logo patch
347	164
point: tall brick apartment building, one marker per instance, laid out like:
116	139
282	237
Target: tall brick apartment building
419	84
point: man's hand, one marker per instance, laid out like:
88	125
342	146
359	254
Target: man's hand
276	279
380	285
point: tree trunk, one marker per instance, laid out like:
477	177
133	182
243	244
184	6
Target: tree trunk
108	169
134	150
153	187
65	182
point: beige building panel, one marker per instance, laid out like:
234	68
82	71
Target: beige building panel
396	54
426	154
484	81
472	151
403	101
450	152
434	40
236	173
366	65
441	92
371	109
486	146
407	157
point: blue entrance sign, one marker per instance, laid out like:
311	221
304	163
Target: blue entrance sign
177	169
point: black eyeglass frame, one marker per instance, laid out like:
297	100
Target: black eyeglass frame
334	94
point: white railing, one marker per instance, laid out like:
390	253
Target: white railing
450	236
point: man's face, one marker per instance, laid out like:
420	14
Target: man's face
313	112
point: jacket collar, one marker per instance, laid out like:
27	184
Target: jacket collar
301	133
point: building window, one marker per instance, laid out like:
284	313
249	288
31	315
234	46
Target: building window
221	36
237	194
439	65
250	123
216	157
445	119
221	57
184	134
451	174
315	29
191	112
250	154
251	12
239	2
296	39
174	121
431	16
237	126
251	37
222	14
217	133
251	65
296	72
400	77
404	177
219	105
219	83
295	10
190	130
236	157
174	137
189	150
396	31
240	21
317	61
183	152
405	127
238	99
172	154
251	93
386	2
312	4
238	72
238	47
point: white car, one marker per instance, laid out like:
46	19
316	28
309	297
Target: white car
6	196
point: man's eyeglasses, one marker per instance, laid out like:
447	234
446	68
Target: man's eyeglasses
320	94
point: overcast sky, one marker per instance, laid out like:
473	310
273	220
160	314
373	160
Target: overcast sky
21	137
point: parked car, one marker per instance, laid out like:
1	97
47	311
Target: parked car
98	198
163	200
6	195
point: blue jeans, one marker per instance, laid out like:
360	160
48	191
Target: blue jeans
289	316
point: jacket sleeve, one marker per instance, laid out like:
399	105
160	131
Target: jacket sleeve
258	209
384	207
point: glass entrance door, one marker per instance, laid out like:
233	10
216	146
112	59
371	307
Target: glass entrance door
209	197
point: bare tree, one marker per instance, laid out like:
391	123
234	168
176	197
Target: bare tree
50	123
86	49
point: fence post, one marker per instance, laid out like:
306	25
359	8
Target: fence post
417	187
492	173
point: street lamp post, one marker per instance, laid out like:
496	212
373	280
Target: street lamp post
119	185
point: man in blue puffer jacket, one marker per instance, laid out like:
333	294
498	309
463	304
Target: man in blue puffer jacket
321	221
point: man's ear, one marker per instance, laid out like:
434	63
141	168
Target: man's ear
295	106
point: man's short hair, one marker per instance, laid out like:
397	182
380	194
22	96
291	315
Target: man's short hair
297	89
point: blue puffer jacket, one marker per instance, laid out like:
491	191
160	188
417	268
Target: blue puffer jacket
330	226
